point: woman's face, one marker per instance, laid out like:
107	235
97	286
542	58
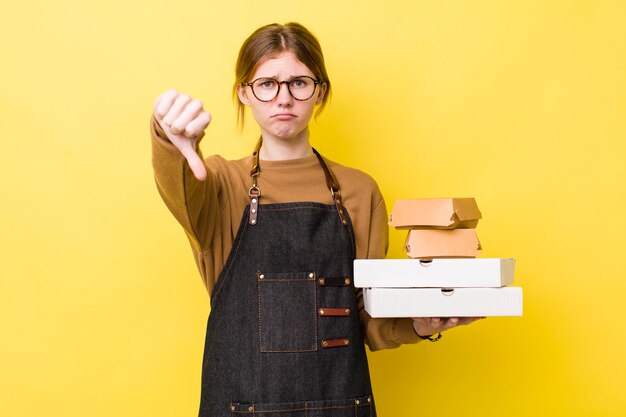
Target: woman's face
284	117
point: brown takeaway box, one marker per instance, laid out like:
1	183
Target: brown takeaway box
435	213
432	243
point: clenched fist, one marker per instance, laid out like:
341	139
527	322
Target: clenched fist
183	119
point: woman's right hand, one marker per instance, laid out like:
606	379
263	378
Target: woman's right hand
183	120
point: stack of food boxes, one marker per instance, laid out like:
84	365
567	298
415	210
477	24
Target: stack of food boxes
442	278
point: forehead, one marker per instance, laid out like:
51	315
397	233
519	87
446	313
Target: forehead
281	66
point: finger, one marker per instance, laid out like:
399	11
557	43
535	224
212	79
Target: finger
197	125
421	325
435	321
420	321
164	103
450	323
188	113
195	162
468	320
176	109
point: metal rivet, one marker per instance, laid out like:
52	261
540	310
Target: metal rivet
250	408
322	281
347	281
261	276
232	408
322	312
345	342
357	402
347	311
311	275
253	221
254	210
369	399
324	343
344	221
254	200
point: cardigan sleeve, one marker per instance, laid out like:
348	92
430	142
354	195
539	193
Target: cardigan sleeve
192	202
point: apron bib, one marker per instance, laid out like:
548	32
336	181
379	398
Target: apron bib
284	336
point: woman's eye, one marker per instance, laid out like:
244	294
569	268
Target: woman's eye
265	84
298	83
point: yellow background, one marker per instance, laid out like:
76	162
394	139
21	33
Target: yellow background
520	104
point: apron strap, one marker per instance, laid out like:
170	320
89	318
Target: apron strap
333	185
255	192
256	168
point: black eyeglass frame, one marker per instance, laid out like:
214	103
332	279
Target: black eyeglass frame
288	82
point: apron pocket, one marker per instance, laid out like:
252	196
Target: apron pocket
353	407
287	312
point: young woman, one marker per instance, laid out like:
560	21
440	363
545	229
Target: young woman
274	236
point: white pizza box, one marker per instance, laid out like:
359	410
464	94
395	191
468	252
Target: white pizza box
443	302
436	273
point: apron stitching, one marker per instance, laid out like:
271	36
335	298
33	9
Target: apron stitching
258	294
316	330
330	407
289	351
227	273
326	208
352	241
258	286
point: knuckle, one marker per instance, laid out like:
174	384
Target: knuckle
169	94
190	132
203	118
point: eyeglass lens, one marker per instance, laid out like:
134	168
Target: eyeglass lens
300	88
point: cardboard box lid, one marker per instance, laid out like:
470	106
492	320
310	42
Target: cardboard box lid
452	273
442	243
439	302
439	213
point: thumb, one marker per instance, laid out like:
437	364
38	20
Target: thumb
195	162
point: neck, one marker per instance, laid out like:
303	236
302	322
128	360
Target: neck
280	149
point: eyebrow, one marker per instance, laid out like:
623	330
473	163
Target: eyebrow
288	79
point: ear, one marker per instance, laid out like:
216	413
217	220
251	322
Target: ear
242	94
322	94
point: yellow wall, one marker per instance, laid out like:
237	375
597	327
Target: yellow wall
520	104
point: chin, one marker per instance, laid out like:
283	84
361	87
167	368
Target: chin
286	133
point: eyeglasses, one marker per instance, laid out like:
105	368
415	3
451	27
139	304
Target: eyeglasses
301	88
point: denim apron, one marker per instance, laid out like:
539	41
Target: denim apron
284	336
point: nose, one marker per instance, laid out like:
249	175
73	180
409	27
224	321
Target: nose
283	98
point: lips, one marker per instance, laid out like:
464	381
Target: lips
283	116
